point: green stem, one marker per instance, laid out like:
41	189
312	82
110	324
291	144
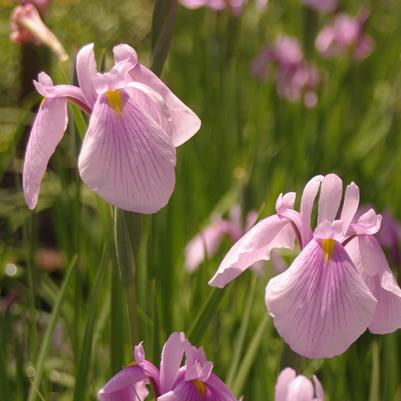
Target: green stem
290	359
127	233
127	226
164	17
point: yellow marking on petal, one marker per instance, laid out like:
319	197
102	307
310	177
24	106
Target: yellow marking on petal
328	248
42	102
115	100
200	386
133	364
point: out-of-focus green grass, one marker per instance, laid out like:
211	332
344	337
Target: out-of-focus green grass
252	146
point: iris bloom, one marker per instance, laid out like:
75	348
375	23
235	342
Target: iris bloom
324	6
41	5
136	122
339	284
290	387
295	78
345	34
389	236
194	380
235	6
27	26
206	243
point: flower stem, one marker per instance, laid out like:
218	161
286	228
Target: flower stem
127	234
127	226
290	359
164	17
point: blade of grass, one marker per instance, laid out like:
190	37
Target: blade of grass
374	393
81	382
242	332
49	332
202	321
249	357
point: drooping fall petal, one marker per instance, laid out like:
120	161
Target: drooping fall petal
126	157
320	305
254	246
47	131
366	253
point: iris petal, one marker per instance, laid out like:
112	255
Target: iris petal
127	158
320	305
47	131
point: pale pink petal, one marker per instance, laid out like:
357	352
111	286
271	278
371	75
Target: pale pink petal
86	72
218	390
184	391
368	224
193	3
126	158
205	244
350	206
320	304
307	202
125	52
252	247
283	382
324	6
47	131
124	386
318	389
184	122
366	253
172	354
44	85
300	389
330	198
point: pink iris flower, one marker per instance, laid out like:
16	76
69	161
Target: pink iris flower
194	380
235	6
290	387
296	79
206	243
27	27
324	6
345	34
41	5
339	284
389	236
128	153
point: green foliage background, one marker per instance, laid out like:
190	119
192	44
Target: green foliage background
252	146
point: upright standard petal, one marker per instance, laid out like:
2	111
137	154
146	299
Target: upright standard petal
126	157
320	305
172	354
300	389
284	379
184	122
331	192
47	131
366	253
87	71
307	202
255	245
350	206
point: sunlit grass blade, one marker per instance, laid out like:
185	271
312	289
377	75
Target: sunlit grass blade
374	393
83	370
202	321
250	356
239	343
49	332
